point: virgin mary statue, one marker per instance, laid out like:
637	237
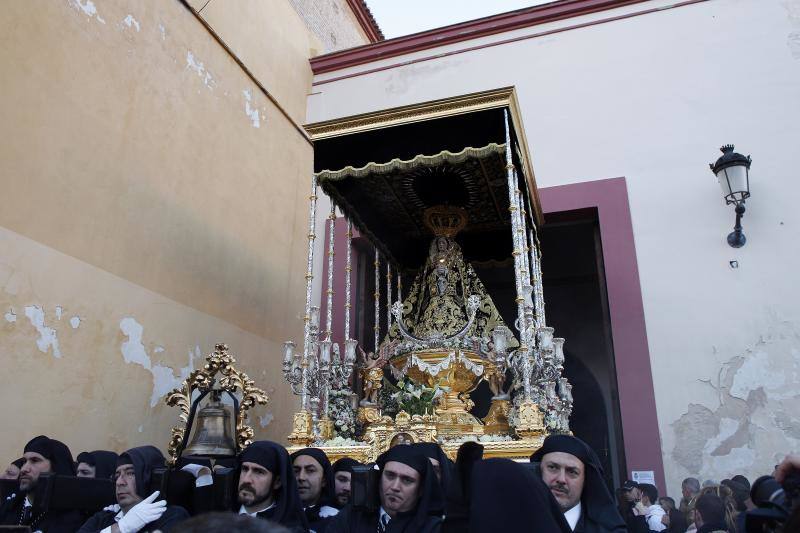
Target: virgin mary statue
436	305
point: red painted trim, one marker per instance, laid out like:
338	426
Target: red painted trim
472	29
629	333
497	43
366	20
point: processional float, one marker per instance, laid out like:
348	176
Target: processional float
443	335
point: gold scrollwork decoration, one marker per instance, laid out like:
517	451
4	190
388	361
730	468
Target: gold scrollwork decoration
220	361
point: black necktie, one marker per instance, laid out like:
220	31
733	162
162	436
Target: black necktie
383	523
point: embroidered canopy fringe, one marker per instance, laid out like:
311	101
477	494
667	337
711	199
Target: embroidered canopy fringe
444	156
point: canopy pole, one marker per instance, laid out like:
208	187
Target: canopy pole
348	269
312	213
377	299
331	253
519	274
388	296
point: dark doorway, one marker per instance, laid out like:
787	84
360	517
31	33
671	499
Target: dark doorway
577	307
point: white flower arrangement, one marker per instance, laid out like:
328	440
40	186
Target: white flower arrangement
341	442
340	410
474	438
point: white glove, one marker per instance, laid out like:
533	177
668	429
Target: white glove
142	514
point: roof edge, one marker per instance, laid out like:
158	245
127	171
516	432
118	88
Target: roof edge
522	18
366	20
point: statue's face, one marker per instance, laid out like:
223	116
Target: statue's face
441	244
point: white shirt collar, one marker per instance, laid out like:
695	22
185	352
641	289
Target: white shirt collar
573	515
119	515
382	514
242	510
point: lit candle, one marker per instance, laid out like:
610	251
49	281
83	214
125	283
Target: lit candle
314	316
288	352
350	351
325	353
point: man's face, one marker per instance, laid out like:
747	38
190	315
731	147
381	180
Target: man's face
686	492
564	474
310	479
35	464
256	485
400	488
125	486
342	487
85	470
11	472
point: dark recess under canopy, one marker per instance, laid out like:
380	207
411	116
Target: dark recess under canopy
388	206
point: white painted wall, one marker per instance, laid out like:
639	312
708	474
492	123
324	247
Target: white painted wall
651	98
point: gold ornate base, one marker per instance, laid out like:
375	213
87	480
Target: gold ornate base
530	421
326	428
383	432
302	429
496	422
368	415
452	424
453	418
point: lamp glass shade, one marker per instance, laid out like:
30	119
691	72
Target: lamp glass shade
733	181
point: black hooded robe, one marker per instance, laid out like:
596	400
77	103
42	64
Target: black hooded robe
287	510
327	498
12	512
433	451
506	496
104	462
345	464
144	460
599	514
426	517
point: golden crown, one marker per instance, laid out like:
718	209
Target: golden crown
445	220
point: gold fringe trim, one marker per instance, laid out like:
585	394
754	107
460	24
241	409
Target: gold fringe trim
421	160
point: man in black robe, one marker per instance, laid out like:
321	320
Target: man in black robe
442	465
409	496
507	496
42	455
137	511
99	464
572	472
267	486
315	485
342	478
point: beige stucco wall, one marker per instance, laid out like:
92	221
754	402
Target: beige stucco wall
153	204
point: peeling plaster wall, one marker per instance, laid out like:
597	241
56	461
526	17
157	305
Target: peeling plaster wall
128	348
154	203
651	98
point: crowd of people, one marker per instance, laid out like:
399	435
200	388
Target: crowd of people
410	488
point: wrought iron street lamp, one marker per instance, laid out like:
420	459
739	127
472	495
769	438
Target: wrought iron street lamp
733	174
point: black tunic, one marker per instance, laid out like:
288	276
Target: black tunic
317	523
351	520
50	522
173	515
